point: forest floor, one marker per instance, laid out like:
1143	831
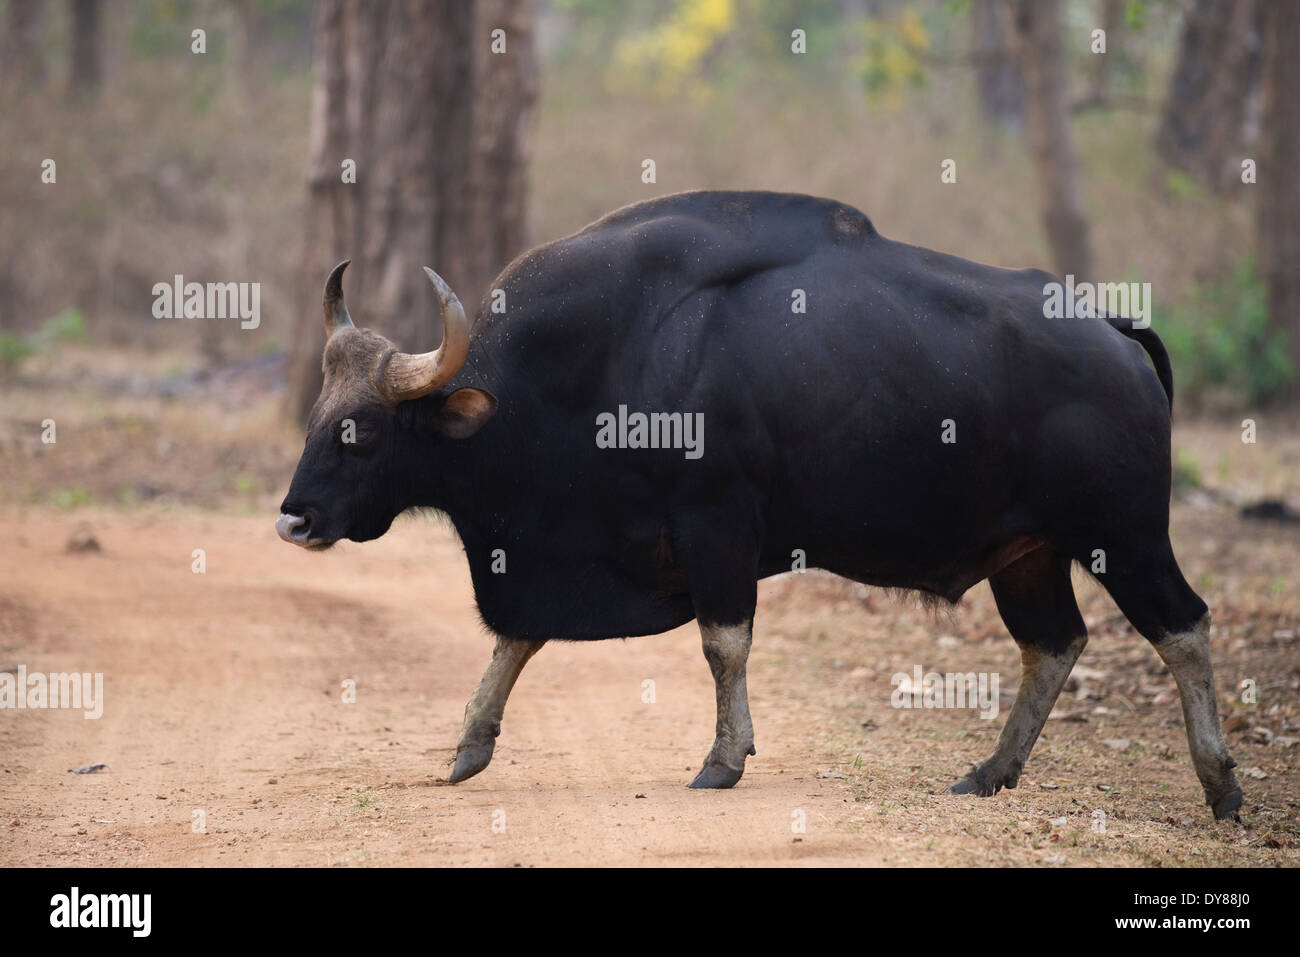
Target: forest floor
228	739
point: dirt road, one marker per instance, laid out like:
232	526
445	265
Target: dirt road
224	705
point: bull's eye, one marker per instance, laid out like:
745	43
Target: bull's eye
354	433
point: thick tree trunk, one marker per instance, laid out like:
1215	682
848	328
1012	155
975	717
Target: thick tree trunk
85	72
1278	220
438	126
1202	128
1043	65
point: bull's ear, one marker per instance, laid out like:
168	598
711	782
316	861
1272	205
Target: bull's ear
465	411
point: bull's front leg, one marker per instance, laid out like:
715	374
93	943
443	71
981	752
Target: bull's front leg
726	647
483	711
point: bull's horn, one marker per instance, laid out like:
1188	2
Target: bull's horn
336	311
405	376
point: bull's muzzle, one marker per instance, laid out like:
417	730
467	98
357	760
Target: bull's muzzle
296	529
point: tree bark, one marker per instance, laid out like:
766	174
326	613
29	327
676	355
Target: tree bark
1278	217
85	72
1043	65
438	126
20	53
1202	128
1112	18
1001	93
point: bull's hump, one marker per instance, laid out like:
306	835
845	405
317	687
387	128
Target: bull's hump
743	213
705	238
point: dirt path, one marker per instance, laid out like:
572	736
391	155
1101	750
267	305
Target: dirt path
223	695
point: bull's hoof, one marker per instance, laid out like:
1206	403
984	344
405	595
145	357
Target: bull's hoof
965	786
470	760
983	782
1228	805
717	776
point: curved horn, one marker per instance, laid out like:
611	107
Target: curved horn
336	311
406	376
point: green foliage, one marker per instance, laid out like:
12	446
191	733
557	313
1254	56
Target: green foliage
1182	186
1187	471
13	350
677	47
1221	336
162	27
69	497
67	328
894	54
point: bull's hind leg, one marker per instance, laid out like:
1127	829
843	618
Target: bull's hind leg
1149	588
726	648
1036	600
717	554
483	712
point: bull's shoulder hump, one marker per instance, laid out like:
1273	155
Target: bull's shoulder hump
740	210
703	237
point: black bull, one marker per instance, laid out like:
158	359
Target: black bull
893	415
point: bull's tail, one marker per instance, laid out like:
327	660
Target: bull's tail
1149	341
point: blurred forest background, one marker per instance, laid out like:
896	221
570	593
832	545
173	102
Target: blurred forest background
210	139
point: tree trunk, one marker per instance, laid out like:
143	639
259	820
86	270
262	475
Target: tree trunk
997	80
21	60
438	126
1112	18
85	70
1202	128
1043	65
1278	221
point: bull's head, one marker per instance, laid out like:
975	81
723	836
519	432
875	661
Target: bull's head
349	483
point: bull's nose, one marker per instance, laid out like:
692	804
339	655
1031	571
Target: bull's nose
293	528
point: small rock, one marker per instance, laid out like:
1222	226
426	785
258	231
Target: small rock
1258	774
831	774
1055	859
1048	785
1059	821
83	540
15	822
1118	744
1261	735
88	769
